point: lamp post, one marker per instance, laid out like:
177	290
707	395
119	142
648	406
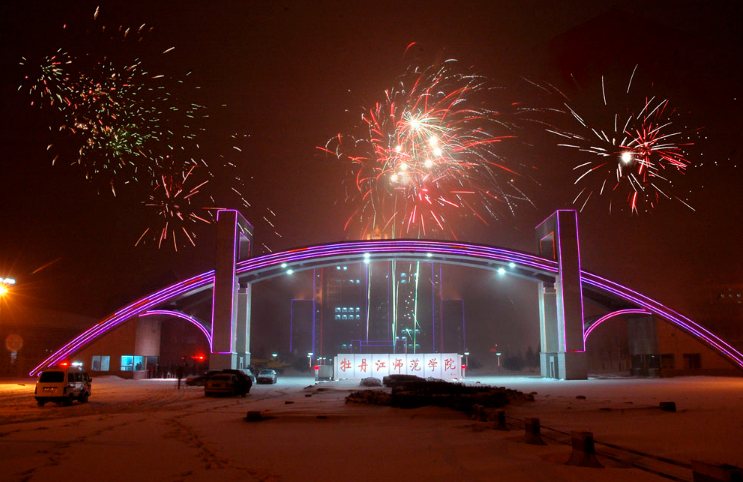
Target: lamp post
309	357
467	359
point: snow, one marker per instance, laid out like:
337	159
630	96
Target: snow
149	430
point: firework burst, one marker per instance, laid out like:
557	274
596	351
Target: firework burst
427	154
116	116
636	158
172	202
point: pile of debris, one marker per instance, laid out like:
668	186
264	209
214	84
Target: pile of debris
413	392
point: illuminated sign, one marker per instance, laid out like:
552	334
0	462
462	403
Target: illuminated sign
434	365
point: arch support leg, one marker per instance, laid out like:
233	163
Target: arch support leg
563	349
234	243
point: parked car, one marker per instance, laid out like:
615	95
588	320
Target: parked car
228	382
221	384
200	380
62	385
267	376
242	372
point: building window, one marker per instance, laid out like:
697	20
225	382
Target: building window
131	363
667	362
345	317
692	361
357	317
337	317
358	309
100	363
337	309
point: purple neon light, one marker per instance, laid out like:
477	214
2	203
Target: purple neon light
433	310
595	324
182	316
382	249
314	307
580	279
562	287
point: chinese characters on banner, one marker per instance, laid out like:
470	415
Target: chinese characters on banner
380	365
434	365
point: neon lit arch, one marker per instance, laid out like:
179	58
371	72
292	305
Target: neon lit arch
182	316
473	255
595	324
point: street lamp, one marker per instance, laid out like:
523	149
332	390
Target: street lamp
466	359
5	284
309	356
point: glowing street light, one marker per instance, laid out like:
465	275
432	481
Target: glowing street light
5	284
501	271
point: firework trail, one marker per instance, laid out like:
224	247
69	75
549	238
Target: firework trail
427	154
182	201
633	156
126	125
172	203
115	116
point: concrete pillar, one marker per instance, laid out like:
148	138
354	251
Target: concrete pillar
547	326
242	345
563	350
234	242
642	340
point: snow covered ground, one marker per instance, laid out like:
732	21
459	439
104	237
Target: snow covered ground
148	430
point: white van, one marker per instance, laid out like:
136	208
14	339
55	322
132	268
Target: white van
63	385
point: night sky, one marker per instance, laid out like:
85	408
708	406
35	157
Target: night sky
284	74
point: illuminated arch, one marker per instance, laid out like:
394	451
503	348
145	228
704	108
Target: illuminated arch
595	324
515	263
182	316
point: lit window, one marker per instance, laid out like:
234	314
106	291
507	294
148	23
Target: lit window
131	363
345	317
337	317
337	309
358	309
345	268
345	310
100	363
357	317
360	282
